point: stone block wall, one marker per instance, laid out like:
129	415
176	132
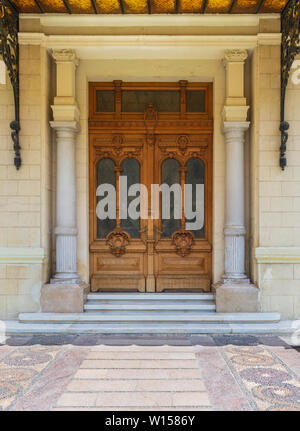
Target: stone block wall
23	205
276	195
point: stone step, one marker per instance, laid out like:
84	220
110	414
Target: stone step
146	317
141	306
283	327
157	297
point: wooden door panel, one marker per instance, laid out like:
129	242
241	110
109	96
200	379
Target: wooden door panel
187	283
106	263
169	263
117	283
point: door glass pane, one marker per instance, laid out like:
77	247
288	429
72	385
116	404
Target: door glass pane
195	177
131	172
137	100
105	101
195	101
170	176
105	175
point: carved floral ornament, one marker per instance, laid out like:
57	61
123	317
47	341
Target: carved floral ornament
183	240
117	240
183	142
150	121
235	55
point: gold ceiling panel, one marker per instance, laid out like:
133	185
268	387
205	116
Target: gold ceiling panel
270	6
217	6
81	6
26	6
190	6
157	6
53	6
163	6
108	6
135	6
245	6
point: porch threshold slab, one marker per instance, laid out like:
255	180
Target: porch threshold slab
285	327
147	318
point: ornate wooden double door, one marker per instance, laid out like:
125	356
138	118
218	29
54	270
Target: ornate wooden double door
150	165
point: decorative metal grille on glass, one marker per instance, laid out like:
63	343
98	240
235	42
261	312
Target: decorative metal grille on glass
196	175
131	170
105	175
170	175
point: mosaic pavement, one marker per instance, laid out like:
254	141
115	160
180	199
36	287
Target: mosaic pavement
162	373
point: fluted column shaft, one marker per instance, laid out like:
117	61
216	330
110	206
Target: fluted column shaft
234	229
66	230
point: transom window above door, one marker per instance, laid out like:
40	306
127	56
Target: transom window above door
112	99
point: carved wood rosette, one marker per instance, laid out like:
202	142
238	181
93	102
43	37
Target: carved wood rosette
117	240
183	240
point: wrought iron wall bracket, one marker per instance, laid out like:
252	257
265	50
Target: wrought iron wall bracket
9	50
290	28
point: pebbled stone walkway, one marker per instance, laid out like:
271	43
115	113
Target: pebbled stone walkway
149	373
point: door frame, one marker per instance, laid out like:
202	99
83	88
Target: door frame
120	123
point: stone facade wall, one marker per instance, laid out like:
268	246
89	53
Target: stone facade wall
276	195
27	196
24	224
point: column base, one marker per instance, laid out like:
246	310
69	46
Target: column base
236	296
64	297
66	279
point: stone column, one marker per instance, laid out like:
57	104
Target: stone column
66	291
235	293
234	230
66	230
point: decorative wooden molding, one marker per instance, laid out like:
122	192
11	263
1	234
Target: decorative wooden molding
183	142
117	240
183	241
150	121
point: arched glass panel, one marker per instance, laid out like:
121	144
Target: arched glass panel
194	201
171	177
105	175
130	175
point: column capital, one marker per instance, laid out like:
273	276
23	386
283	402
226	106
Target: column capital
235	128
65	55
235	55
67	126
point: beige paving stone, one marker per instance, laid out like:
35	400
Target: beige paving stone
191	399
137	374
128	399
171	385
140	355
136	385
77	399
163	363
135	348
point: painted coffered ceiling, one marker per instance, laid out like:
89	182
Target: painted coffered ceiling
149	6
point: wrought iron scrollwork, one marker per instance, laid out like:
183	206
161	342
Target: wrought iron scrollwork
9	50
290	29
